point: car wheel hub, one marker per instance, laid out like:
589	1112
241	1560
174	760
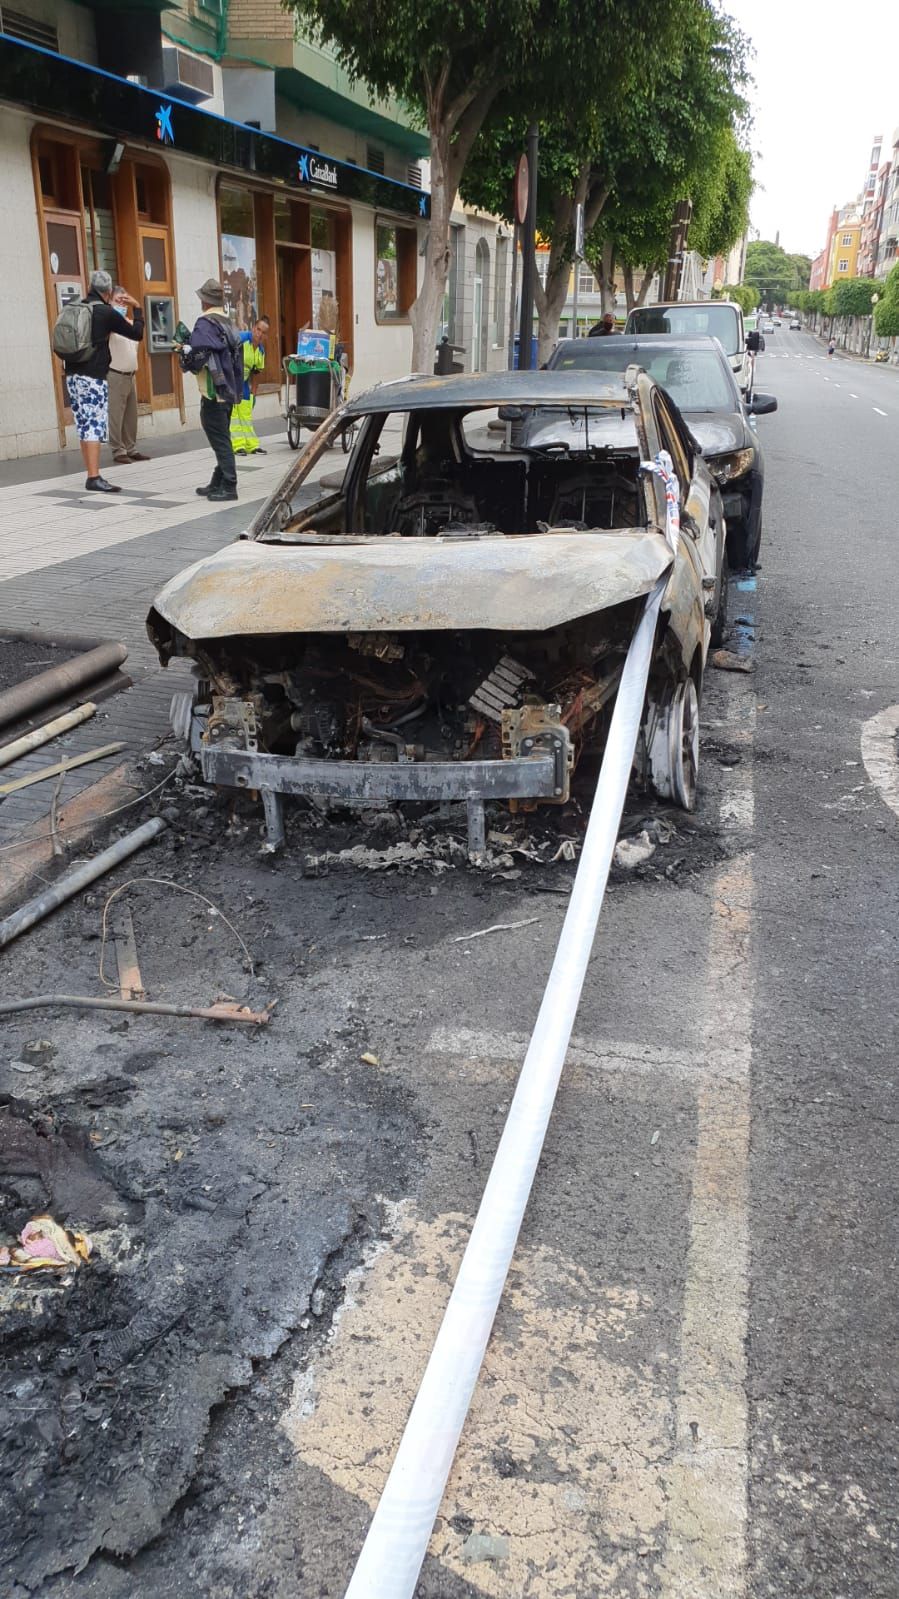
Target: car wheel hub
673	746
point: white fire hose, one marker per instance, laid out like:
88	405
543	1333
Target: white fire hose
397	1541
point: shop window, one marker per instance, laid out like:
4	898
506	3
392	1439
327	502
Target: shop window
62	248
58	176
151	188
321	230
499	286
395	271
154	254
99	223
238	246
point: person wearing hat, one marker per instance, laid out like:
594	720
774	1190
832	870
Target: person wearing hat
213	352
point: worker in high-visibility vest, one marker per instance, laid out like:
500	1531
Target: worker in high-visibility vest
244	439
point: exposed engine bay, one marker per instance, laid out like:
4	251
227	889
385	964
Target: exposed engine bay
415	697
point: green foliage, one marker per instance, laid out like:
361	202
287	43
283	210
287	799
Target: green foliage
850	298
742	293
802	266
680	139
629	156
721	192
771	272
886	312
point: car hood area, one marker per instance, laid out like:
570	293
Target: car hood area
718	434
392	584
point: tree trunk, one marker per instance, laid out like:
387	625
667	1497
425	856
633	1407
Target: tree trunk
629	287
551	303
452	130
648	275
607	276
424	314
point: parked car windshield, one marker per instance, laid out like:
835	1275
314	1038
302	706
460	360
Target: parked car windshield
719	320
697	380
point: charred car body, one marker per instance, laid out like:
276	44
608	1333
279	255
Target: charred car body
452	621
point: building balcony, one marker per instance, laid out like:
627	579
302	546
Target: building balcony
309	76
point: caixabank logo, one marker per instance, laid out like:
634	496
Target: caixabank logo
165	133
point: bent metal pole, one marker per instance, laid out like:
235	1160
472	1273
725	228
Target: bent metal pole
397	1541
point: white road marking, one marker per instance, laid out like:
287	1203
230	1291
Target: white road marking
879	753
878	410
707	1482
480	1045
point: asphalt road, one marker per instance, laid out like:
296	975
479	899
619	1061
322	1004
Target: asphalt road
691	1388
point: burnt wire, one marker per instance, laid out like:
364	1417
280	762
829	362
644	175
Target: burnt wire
163	882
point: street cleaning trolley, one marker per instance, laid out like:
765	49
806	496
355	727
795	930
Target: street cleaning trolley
316	381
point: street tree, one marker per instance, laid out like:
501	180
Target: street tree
802	266
632	234
741	293
886	312
850	298
776	276
627	157
451	63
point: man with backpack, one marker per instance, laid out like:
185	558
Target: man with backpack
213	351
81	340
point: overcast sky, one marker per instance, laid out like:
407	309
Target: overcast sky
827	79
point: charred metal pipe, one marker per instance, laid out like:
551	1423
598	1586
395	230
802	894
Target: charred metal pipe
397	1541
55	684
49	730
34	910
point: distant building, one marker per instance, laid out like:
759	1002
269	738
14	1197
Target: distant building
888	193
845	247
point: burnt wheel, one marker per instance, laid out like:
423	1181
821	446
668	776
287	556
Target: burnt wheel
673	745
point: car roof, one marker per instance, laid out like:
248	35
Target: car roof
645	341
471	391
672	345
674	305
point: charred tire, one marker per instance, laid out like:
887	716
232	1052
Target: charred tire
672	745
293	432
719	623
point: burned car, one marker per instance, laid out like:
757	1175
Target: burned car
451	621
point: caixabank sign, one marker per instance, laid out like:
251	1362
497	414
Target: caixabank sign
45	82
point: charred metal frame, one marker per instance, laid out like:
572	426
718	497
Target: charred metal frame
542	774
538	776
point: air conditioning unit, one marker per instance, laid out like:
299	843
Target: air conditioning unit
187	77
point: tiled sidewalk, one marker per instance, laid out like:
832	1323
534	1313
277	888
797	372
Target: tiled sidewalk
77	563
54	519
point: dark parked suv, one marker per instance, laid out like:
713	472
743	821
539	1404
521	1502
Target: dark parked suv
697	375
